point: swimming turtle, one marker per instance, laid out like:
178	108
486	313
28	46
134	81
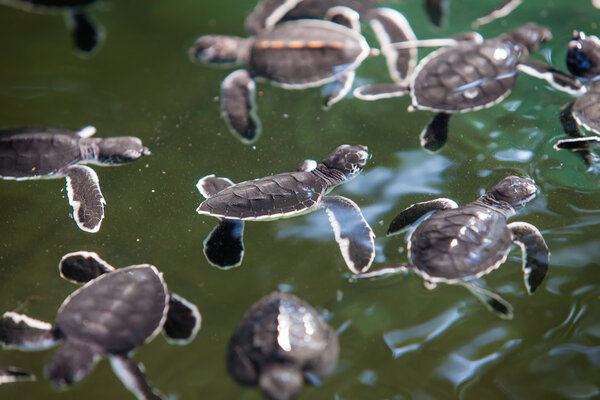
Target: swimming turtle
583	61
42	152
287	195
456	245
115	312
279	340
86	35
469	75
12	374
293	55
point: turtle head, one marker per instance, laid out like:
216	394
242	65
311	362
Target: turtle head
281	381
583	55
531	36
348	159
514	190
121	149
219	49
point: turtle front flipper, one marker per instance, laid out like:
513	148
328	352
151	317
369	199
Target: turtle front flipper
500	11
82	266
132	376
390	26
183	320
339	88
352	232
416	211
380	91
383	272
238	106
12	374
267	14
344	16
210	185
435	134
19	331
577	142
535	253
558	79
83	190
491	300
73	361
85	33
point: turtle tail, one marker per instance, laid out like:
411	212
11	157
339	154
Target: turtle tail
72	362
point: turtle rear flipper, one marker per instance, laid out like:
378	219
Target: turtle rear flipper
72	362
19	331
12	374
85	197
491	300
535	253
83	266
183	320
132	376
418	210
85	33
435	134
352	232
238	106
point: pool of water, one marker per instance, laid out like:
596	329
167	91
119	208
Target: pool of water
401	340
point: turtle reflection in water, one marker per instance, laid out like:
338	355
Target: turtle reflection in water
111	315
287	195
40	152
279	341
583	61
456	245
86	35
469	75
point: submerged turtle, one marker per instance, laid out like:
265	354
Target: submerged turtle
469	75
115	312
287	195
41	152
583	61
293	55
456	245
86	35
279	340
12	374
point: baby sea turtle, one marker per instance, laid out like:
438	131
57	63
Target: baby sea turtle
583	61
115	312
456	245
279	340
287	195
12	374
293	55
41	152
86	35
469	75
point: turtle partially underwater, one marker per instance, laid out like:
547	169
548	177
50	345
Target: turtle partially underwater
279	340
293	55
470	74
583	61
115	312
86	35
456	245
42	152
287	195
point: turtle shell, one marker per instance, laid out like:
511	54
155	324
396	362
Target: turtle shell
466	77
273	197
306	53
117	311
281	328
30	152
459	243
586	109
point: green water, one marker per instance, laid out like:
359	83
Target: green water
403	341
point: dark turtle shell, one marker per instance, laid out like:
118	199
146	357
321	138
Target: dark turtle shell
460	242
32	152
466	77
281	328
586	109
306	53
123	309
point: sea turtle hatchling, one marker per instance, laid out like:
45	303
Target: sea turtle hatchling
279	341
41	152
115	312
86	35
470	74
293	55
287	195
456	245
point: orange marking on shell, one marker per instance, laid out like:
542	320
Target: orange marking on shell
277	45
296	44
315	44
263	44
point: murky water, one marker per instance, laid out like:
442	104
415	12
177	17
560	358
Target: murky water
401	340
